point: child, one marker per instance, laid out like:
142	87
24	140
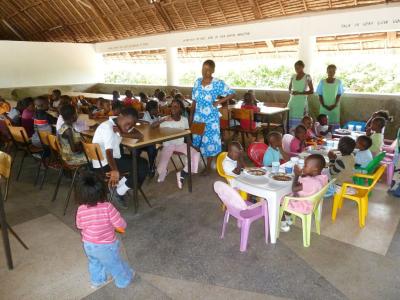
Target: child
307	181
143	98
151	115
98	219
115	95
55	99
116	107
233	163
249	102
27	116
176	120
342	168
322	127
5	107
42	121
376	135
380	113
128	100
70	139
162	101
298	144
15	113
275	151
364	155
308	123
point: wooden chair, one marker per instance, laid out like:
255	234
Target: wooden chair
93	152
65	167
245	115
22	144
5	136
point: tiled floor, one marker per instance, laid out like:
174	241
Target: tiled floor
176	250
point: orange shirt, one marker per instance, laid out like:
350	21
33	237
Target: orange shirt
245	124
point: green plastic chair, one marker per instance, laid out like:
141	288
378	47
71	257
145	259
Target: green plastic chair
369	169
306	219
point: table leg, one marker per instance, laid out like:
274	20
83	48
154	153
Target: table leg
189	161
135	181
4	231
287	122
273	215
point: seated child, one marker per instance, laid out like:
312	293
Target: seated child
70	139
115	95
307	181
363	156
374	131
128	100
342	167
298	144
143	98
152	114
380	113
5	107
322	127
55	99
308	123
176	120
233	163
65	100
162	101
27	116
249	102
42	121
14	115
116	107
275	151
98	220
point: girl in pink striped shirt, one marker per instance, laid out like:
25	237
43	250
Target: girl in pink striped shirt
98	220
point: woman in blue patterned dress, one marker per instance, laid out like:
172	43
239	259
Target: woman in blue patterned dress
205	110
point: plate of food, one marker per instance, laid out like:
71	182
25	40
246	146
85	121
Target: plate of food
342	131
255	172
281	178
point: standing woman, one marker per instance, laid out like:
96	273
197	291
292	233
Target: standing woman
299	88
205	110
330	90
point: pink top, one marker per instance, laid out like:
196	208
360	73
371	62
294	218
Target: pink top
98	223
296	145
311	186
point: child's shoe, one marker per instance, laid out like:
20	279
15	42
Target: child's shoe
180	178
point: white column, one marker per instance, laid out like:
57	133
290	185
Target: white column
172	64
307	51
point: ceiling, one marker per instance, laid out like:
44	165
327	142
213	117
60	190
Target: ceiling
89	21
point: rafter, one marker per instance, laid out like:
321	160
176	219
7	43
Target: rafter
164	16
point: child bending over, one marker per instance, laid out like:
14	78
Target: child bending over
275	151
298	144
375	133
98	220
364	155
233	163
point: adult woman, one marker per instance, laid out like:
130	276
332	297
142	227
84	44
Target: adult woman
299	88
330	90
205	110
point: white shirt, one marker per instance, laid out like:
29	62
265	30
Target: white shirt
148	118
79	125
181	124
107	139
229	165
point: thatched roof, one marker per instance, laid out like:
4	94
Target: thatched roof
105	20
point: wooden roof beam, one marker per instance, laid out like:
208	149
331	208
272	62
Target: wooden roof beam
164	16
12	30
256	9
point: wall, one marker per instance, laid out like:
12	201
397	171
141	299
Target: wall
38	64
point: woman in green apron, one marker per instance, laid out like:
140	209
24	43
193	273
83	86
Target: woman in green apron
330	90
299	88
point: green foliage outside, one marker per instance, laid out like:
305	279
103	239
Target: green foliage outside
362	77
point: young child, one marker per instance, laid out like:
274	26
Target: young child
275	151
143	98
380	113
14	115
322	127
249	102
98	219
70	139
233	163
42	121
5	107
55	99
162	101
176	120
115	95
298	144
376	135
342	168
27	116
128	100
308	123
152	114
363	156
307	182
116	107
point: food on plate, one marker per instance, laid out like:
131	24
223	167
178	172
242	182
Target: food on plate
256	172
342	131
281	177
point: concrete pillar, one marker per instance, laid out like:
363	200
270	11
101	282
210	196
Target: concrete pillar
172	64
307	51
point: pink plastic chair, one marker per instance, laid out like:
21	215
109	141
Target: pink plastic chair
256	153
286	141
244	211
389	162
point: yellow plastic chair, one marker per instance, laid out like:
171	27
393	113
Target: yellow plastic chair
361	196
306	219
222	173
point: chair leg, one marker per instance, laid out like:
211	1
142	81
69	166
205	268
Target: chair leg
60	175
389	174
38	173
317	218
308	220
17	237
244	235
44	177
360	214
202	158
20	166
145	198
226	220
180	159
7	188
335	206
173	162
70	191
266	222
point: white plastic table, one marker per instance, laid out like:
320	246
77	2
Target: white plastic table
265	188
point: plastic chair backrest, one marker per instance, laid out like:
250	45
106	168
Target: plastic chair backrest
53	143
93	151
286	141
377	175
242	114
229	196
220	169
197	128
5	165
316	198
43	136
19	134
374	163
256	152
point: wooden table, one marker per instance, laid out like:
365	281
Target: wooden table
90	95
268	112
151	136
